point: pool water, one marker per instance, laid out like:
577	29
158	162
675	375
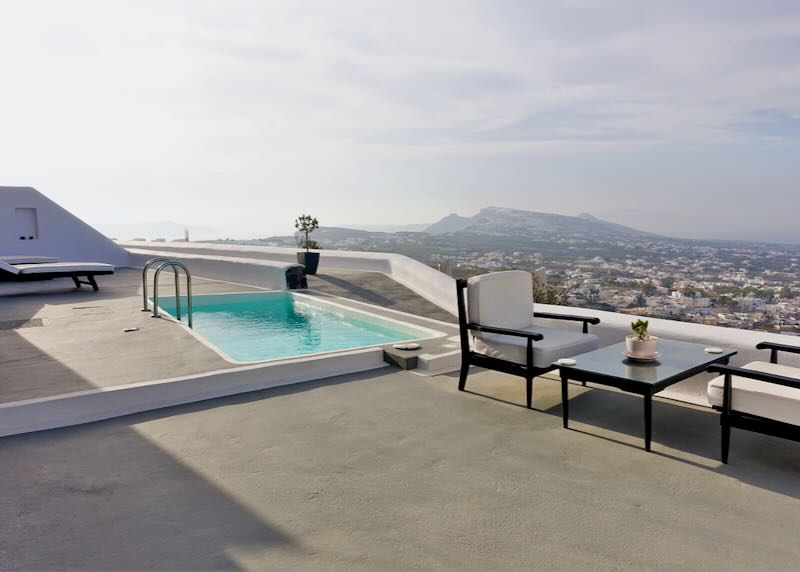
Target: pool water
276	325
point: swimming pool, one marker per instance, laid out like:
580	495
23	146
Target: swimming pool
257	327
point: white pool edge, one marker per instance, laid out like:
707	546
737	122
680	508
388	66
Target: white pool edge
92	405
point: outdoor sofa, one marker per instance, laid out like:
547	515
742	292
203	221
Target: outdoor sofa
761	396
498	329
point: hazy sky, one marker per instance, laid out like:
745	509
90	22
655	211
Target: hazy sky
678	117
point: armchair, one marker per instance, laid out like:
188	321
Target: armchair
498	331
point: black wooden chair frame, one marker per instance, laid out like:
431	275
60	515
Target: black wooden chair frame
729	417
37	277
527	371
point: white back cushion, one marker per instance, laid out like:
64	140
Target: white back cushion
8	268
501	299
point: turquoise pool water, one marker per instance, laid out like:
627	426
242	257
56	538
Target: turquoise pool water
277	325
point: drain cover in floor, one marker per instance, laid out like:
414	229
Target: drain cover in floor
17	324
90	310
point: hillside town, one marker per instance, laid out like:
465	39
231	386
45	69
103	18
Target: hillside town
739	286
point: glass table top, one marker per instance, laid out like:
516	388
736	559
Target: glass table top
674	360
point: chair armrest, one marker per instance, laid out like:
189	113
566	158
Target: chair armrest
570	317
775	348
728	370
505	331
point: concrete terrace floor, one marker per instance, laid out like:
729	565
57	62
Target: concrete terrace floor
393	471
81	344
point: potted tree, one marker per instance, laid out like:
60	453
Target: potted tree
641	345
306	224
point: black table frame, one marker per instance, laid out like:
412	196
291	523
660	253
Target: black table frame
646	390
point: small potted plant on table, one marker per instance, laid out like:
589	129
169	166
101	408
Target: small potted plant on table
641	345
306	224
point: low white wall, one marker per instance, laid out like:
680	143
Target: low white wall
614	327
56	231
416	276
252	271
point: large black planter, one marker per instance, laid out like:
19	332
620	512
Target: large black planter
310	260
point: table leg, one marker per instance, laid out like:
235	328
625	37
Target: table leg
565	399
648	420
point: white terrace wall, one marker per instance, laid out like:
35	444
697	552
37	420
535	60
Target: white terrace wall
32	224
420	278
251	271
614	327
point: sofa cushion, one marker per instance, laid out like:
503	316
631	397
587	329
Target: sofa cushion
501	299
555	345
64	267
761	398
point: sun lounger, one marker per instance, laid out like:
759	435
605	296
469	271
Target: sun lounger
50	270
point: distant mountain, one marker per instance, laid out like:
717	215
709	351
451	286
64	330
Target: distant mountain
498	221
450	223
492	228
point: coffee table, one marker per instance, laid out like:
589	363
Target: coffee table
676	362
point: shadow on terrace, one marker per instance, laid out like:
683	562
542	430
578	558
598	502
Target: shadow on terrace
106	497
682	433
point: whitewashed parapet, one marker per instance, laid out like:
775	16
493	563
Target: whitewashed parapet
614	327
252	271
416	276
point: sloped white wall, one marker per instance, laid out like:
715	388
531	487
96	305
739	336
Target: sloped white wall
60	233
416	276
252	271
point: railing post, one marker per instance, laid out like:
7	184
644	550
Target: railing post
144	279
177	293
175	265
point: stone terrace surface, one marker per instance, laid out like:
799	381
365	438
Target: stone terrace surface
392	471
82	344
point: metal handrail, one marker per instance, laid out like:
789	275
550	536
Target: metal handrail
175	265
144	279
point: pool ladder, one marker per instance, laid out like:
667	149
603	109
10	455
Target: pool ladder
175	265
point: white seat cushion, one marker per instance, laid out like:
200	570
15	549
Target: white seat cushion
64	267
21	259
761	398
501	299
556	344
